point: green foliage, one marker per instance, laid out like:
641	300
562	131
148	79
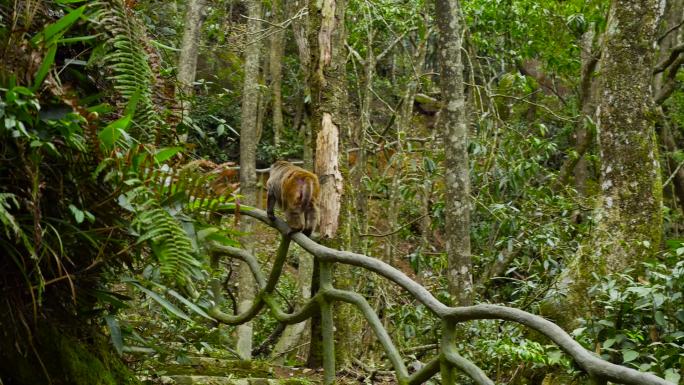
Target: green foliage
122	54
643	319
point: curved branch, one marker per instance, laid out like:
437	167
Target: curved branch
349	258
466	366
674	53
424	374
593	365
449	352
360	302
265	288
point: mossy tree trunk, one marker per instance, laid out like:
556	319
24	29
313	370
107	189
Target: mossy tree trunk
628	213
248	189
455	133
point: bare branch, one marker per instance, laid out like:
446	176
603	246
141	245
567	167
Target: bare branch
674	53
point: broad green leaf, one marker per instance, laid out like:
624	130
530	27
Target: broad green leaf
59	26
45	66
608	343
166	153
629	355
110	134
672	376
115	332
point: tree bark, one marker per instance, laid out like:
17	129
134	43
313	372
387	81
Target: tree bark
455	133
326	84
276	70
187	60
248	188
628	213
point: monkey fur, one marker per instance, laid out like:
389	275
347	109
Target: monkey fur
297	192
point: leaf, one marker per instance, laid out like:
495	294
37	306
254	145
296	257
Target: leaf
189	304
77	39
110	134
78	214
114	299
629	355
133	102
222	239
672	376
115	332
166	153
59	26
608	343
160	300
45	67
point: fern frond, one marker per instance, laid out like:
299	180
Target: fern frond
8	222
129	64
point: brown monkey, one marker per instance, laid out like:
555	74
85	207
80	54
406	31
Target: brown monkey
297	192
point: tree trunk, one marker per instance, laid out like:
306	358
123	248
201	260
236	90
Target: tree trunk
276	69
588	101
326	82
674	16
248	188
187	60
455	132
628	213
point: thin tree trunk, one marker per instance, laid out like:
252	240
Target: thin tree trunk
588	100
674	16
276	69
455	132
187	60
248	189
628	213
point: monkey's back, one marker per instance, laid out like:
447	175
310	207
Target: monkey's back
294	187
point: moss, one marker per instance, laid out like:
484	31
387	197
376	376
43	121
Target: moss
296	381
65	359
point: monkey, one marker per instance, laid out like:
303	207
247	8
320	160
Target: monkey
297	192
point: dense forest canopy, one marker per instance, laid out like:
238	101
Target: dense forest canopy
499	191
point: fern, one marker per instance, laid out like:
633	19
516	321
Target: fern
8	222
162	198
169	241
131	75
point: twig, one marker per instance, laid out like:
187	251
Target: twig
395	230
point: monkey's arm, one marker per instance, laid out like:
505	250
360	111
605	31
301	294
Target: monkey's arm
270	204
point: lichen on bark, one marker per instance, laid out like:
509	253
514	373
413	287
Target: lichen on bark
628	213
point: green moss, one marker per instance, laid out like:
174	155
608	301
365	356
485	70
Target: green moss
66	359
296	381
